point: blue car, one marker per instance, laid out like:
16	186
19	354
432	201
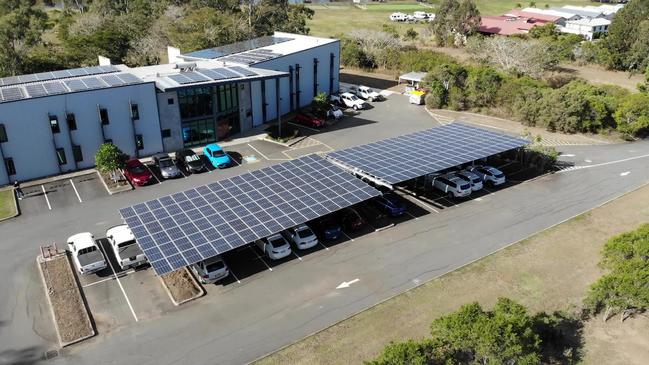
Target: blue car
328	228
217	156
390	204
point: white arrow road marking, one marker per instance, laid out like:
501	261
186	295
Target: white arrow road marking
625	173
346	284
589	161
568	155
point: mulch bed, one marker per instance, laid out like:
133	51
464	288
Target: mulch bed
71	317
181	286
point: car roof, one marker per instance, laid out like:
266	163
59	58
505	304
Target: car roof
120	233
274	236
212	260
161	156
186	151
82	240
133	162
346	94
213	146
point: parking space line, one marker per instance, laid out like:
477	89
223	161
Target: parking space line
120	285
152	174
416	218
264	156
46	198
260	258
235	277
233	160
346	235
303	126
121	274
296	255
76	191
323	245
183	172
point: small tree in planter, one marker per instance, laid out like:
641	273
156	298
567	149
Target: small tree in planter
109	158
320	104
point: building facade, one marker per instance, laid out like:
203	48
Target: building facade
54	122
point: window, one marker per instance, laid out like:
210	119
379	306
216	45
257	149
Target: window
3	134
139	142
76	153
166	133
72	121
196	102
11	168
135	112
228	97
54	123
103	116
170	101
60	155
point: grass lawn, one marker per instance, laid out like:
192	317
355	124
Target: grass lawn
333	19
7	206
546	272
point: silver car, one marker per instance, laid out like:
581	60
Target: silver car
489	174
211	270
474	179
167	167
303	237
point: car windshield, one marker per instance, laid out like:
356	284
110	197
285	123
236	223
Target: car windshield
353	98
277	242
304	233
215	266
166	163
125	244
218	153
137	169
465	187
498	176
369	90
86	250
192	158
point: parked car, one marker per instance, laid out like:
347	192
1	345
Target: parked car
275	247
168	168
302	236
126	250
390	204
86	255
349	100
367	93
334	112
452	185
351	220
474	179
309	119
189	161
488	174
217	157
328	228
211	270
137	172
398	17
420	15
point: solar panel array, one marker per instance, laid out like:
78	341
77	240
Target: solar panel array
406	157
62	74
239	47
183	228
39	89
250	57
214	74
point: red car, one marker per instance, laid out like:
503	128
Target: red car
310	120
137	172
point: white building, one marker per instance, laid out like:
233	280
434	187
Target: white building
588	28
561	14
53	122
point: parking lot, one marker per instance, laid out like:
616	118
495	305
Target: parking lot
61	194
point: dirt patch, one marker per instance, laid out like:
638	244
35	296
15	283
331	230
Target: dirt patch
71	317
114	184
549	271
181	286
617	343
388	80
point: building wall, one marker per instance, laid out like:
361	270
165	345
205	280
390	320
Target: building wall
170	120
31	142
305	60
246	106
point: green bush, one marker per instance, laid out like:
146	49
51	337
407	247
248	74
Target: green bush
109	158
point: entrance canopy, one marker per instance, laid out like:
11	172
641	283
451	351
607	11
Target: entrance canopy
186	227
406	157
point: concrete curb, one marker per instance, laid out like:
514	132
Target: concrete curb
16	208
39	260
198	285
128	187
268	139
57	178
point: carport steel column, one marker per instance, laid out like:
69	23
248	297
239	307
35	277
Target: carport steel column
278	104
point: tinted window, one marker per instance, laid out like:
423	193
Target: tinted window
166	162
465	187
9	164
3	133
277	242
86	250
304	233
215	266
137	169
218	153
76	152
54	123
72	121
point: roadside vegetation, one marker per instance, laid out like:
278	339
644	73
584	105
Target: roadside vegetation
7	204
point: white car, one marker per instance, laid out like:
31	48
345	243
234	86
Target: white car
474	179
86	255
127	252
303	237
452	185
430	16
420	15
334	112
349	100
489	174
211	270
398	17
365	92
275	246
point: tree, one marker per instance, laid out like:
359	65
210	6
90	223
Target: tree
455	21
632	116
320	103
21	27
400	353
624	288
109	158
627	42
482	86
519	56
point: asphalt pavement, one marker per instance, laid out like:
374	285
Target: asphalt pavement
237	323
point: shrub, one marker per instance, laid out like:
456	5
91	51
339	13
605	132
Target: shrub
109	158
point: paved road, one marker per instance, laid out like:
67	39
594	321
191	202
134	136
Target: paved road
275	308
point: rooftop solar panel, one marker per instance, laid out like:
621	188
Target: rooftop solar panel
112	80
35	90
406	157
56	87
183	228
195	77
28	78
75	85
227	73
212	75
94	83
238	47
129	78
244	71
12	93
60	74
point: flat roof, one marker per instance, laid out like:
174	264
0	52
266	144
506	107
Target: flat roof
181	229
413	76
590	22
398	159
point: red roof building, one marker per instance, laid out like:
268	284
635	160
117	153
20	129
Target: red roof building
507	25
539	17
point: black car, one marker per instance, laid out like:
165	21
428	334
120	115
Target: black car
189	161
351	220
328	228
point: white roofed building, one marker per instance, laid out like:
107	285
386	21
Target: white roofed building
589	28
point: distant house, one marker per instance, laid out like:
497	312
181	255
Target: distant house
589	28
508	25
560	13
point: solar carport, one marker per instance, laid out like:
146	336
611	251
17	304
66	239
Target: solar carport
189	226
395	160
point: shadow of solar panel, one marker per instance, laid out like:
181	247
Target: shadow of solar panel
246	210
409	156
